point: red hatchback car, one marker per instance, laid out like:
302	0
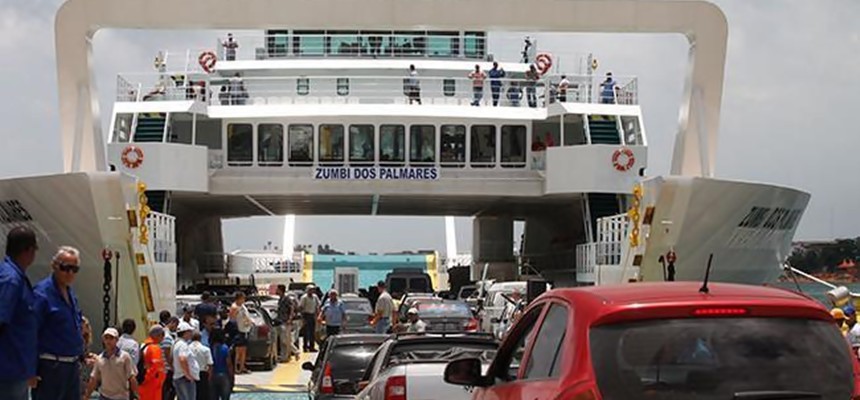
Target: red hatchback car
662	341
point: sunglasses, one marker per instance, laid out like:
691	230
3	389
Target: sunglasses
69	268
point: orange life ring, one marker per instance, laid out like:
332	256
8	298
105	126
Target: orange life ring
207	61
543	62
132	157
628	159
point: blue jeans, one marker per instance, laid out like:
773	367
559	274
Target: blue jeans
382	325
185	389
59	381
221	387
15	390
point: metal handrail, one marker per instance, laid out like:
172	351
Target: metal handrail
454	90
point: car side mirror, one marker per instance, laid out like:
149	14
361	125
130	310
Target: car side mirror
307	366
465	372
362	385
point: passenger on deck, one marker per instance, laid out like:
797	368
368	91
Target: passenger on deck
496	83
477	76
607	92
515	94
562	88
224	96
230	45
60	338
413	87
532	77
237	90
309	304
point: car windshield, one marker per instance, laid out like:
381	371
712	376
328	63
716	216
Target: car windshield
348	363
720	358
448	309
358	305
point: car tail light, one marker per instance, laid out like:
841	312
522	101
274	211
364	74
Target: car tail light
471	325
262	331
327	386
719	311
395	388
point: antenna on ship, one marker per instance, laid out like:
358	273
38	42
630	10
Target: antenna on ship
704	289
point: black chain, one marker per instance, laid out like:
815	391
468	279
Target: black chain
106	288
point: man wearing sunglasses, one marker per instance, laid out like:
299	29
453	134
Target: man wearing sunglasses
61	344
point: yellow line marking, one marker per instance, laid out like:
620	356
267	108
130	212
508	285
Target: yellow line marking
290	373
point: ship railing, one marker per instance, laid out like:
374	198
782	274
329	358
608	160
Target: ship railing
513	91
162	232
449	45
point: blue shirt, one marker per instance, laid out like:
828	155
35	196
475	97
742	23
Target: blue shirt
495	74
18	340
220	358
334	313
59	321
608	88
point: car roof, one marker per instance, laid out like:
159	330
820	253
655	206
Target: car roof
636	301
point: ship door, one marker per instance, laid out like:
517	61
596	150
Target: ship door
346	280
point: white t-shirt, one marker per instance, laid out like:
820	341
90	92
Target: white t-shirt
243	318
202	355
854	335
417	327
183	349
384	305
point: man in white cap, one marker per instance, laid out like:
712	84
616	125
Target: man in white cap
114	372
186	371
416	325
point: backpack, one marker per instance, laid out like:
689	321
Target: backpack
141	365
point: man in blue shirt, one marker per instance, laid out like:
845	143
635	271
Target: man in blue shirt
607	90
333	314
17	322
61	342
495	82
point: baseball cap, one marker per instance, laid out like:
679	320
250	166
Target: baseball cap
849	310
184	327
111	332
412	310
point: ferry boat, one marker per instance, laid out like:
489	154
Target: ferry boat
368	108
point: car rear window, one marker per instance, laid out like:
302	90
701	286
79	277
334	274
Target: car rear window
720	358
357	305
348	363
444	310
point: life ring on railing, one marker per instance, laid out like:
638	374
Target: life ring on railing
207	61
132	157
623	159
543	62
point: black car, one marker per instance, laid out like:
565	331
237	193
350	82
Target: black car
358	314
341	364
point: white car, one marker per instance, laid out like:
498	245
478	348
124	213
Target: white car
412	366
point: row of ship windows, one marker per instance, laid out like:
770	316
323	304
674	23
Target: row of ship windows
362	145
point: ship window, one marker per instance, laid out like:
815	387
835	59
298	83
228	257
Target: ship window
330	144
632	130
240	145
408	44
443	44
270	139
483	145
473	44
377	42
422	144
574	130
309	43
392	144
453	147
513	146
361	143
449	87
343	86
303	86
277	43
343	43
301	140
122	128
